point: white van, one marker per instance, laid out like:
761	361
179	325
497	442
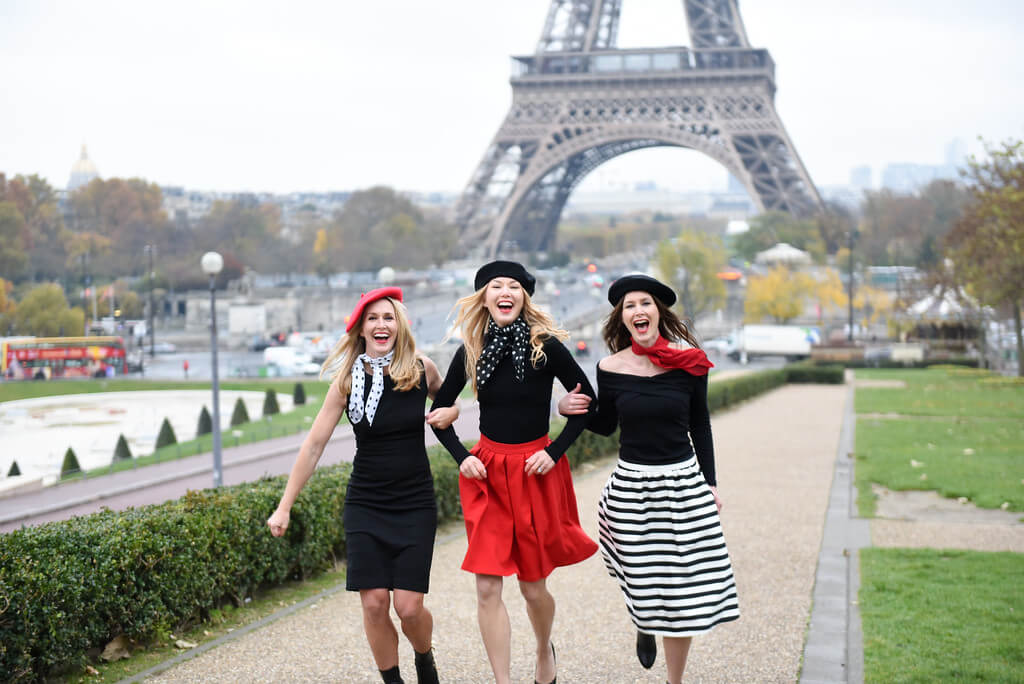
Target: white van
290	361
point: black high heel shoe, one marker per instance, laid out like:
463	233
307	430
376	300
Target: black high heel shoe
646	649
555	658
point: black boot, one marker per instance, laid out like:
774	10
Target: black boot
392	676
426	668
646	649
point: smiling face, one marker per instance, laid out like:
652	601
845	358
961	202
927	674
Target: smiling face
641	318
380	327
503	298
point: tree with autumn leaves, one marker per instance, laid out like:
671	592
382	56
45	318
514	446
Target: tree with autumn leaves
987	243
690	262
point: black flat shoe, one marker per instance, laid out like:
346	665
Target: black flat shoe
646	649
554	657
426	668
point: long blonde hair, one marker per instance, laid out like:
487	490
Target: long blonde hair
472	317
404	369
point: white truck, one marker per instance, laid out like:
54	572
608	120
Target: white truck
792	341
289	361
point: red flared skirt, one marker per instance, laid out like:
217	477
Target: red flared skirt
517	524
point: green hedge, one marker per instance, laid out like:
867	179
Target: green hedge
889	363
69	587
832	374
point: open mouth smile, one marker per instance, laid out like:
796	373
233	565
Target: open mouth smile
505	307
642	325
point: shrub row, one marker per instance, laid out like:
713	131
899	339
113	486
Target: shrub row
70	587
889	363
831	374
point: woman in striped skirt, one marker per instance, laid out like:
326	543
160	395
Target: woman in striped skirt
660	535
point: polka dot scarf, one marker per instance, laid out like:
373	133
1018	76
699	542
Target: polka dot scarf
355	398
512	340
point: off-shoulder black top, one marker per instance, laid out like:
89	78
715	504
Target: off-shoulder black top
659	417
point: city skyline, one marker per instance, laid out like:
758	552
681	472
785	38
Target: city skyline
257	97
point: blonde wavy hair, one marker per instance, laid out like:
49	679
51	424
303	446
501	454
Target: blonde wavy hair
472	317
404	369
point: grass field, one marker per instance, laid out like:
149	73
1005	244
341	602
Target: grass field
957	432
942	616
11	391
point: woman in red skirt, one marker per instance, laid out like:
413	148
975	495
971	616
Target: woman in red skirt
516	487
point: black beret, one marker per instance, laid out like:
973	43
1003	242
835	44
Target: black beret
641	283
505	269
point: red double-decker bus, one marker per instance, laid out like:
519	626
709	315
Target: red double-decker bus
61	357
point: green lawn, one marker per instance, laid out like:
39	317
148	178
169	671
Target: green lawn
26	389
941	392
957	432
279	425
942	616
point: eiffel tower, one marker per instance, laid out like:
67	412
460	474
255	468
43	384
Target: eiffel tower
579	101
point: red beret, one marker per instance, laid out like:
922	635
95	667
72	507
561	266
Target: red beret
368	298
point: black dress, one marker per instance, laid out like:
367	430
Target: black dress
390	514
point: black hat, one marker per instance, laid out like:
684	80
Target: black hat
642	283
504	269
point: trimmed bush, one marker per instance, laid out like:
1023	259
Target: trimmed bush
299	395
14	470
889	363
74	585
70	465
205	426
240	414
810	373
166	436
270	406
121	451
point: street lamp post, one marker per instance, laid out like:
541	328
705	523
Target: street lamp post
852	237
152	314
212	263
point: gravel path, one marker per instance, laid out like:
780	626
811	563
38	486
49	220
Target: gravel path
775	457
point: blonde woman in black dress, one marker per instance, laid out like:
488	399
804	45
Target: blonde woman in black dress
660	534
390	514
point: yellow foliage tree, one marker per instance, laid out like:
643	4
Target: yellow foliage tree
781	295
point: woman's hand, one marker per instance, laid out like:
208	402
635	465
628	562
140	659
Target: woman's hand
575	403
278	522
718	501
442	417
473	468
540	463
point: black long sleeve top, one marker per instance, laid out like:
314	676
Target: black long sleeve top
658	415
513	412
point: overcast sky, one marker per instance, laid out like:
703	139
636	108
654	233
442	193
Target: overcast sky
263	95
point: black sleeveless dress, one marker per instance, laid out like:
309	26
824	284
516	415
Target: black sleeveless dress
390	514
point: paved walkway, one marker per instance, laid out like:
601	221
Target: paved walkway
776	456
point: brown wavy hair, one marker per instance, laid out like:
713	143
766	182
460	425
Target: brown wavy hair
670	326
472	317
404	370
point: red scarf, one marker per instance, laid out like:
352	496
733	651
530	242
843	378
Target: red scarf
692	360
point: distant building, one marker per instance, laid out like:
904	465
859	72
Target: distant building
83	172
909	178
861	177
956	153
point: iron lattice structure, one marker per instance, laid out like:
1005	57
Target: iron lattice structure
580	101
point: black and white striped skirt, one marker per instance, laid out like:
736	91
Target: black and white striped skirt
662	540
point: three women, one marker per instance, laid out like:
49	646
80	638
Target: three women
390	514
